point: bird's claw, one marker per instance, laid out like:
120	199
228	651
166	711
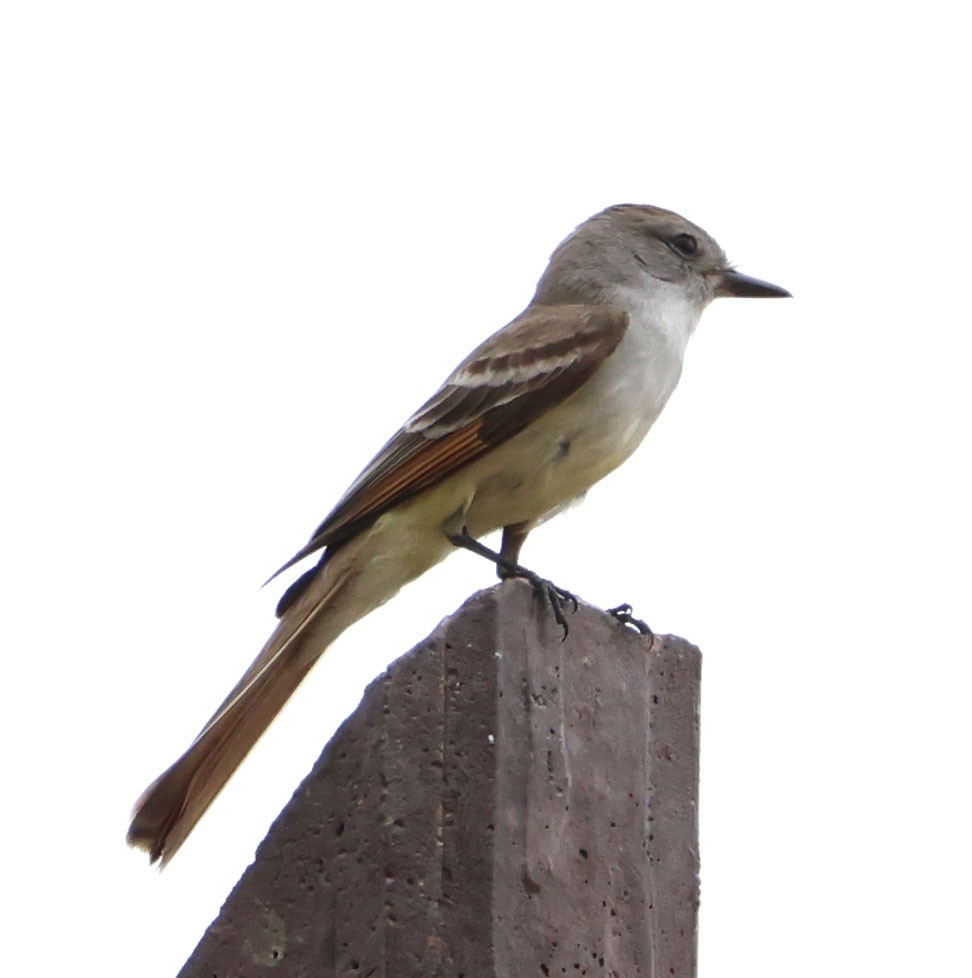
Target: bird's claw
557	598
623	614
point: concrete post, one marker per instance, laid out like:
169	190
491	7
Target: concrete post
502	804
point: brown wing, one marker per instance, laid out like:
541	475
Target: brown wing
535	362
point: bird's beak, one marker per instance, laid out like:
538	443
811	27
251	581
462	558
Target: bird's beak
733	283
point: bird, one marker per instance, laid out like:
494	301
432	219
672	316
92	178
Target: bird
522	427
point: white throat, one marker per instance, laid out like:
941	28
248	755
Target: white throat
665	310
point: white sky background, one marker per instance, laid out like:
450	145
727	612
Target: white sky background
241	243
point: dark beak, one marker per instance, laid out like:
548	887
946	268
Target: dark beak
733	283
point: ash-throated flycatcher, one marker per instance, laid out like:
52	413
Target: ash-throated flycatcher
529	421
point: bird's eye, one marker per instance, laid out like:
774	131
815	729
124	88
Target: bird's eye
685	245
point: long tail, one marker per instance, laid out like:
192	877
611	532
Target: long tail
172	805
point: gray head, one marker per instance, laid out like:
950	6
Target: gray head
631	244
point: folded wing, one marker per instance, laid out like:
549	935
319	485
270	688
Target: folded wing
534	363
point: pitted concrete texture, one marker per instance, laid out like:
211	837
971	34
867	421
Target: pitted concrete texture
502	804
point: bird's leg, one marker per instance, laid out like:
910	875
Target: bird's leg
623	614
556	597
513	540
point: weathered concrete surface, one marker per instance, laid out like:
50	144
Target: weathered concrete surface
502	804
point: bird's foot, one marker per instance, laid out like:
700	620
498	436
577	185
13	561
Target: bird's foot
555	597
623	614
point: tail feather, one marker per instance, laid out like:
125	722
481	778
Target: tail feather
172	805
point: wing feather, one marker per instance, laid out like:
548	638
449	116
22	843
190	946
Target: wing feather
532	364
